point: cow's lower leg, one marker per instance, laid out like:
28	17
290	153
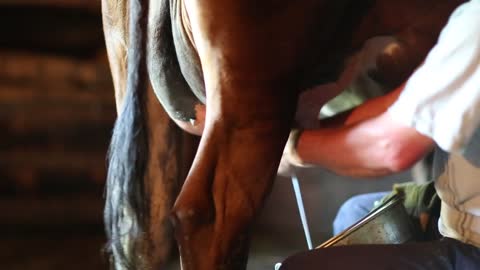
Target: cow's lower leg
226	187
170	156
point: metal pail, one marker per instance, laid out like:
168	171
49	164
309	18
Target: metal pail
388	223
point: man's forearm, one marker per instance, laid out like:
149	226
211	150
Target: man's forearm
369	148
368	109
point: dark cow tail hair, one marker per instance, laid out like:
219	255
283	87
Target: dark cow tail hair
127	207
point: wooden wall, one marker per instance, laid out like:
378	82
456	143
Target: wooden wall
56	111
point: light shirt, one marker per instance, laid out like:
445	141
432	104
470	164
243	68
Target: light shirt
442	100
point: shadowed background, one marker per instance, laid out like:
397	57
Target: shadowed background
56	113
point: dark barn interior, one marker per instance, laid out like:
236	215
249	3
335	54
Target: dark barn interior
57	111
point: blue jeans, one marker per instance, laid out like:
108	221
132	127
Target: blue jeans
355	209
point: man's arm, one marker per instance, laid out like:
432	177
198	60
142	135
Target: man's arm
370	108
374	147
363	142
441	100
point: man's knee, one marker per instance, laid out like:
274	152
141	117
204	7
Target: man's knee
355	209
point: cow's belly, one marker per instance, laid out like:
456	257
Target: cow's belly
353	86
189	96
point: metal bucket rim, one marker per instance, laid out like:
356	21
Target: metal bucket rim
391	202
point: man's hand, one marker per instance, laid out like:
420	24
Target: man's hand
290	158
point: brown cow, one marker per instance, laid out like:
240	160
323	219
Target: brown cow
246	62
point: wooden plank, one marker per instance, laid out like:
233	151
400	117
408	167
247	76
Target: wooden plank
50	94
86	106
85	141
49	173
54	158
60	94
56	114
31	180
29	68
83	4
53	172
53	30
51	211
18	121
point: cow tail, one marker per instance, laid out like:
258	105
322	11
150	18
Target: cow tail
127	206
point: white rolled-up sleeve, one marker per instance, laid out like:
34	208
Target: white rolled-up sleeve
442	98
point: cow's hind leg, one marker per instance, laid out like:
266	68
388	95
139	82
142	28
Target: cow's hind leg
140	196
149	156
171	152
